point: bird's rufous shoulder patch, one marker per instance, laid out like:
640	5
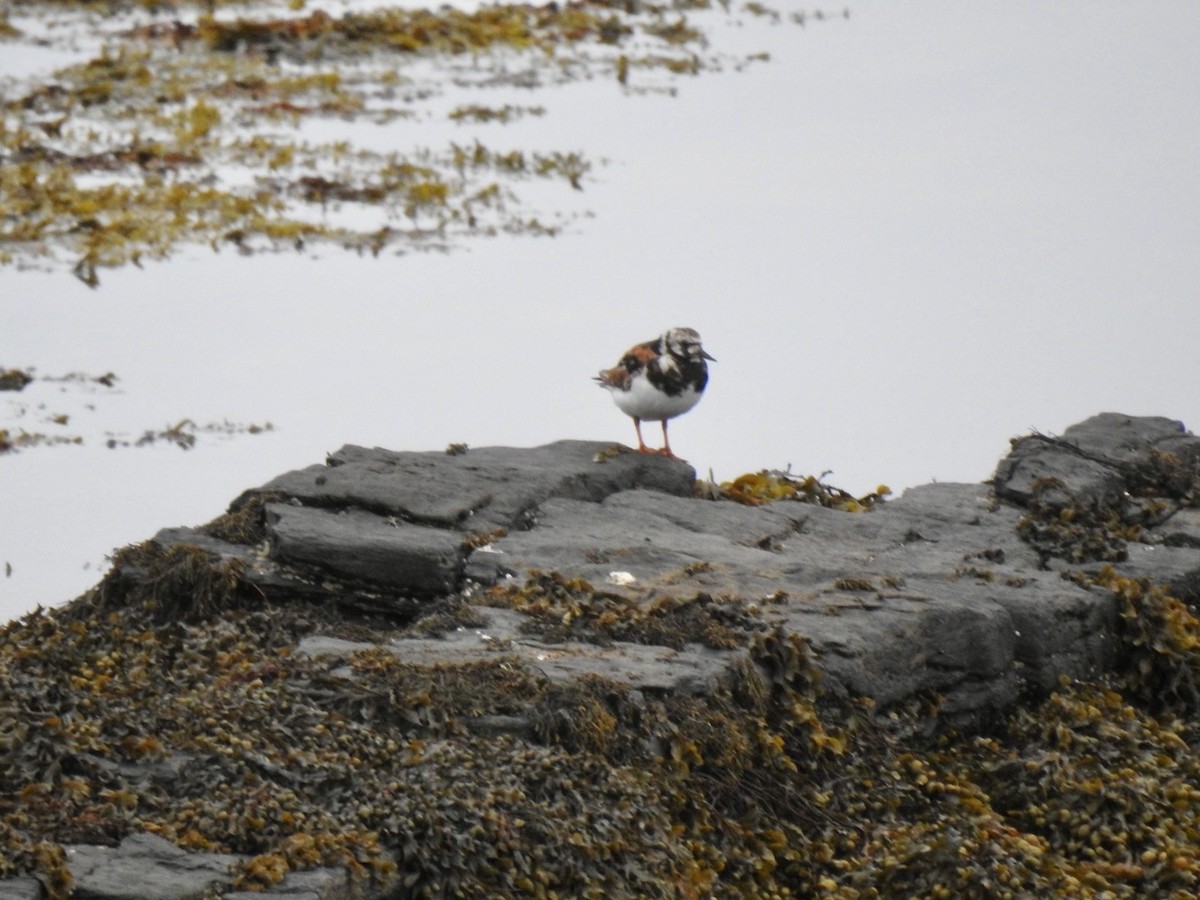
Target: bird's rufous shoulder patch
639	355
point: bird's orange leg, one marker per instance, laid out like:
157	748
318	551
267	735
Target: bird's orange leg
666	450
637	426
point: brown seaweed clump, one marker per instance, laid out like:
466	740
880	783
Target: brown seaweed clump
562	608
175	703
766	486
1078	533
180	582
1079	529
14	379
1161	634
244	523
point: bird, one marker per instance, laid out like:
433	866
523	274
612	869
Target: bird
658	380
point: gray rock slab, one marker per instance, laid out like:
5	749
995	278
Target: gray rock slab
280	577
1036	471
197	538
934	592
1060	628
611	543
1177	567
694	669
1052	473
145	867
23	888
1127	438
944	529
363	545
480	489
760	550
890	648
313	884
1182	529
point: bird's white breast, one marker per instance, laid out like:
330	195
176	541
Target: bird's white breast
644	401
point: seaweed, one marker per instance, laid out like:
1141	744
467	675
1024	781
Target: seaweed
563	609
14	379
244	523
169	135
475	112
1161	638
181	582
766	486
1079	529
765	786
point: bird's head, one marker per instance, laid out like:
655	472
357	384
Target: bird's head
684	345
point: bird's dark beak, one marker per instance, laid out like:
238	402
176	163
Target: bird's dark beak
704	354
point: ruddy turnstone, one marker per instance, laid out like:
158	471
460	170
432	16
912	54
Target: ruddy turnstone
659	380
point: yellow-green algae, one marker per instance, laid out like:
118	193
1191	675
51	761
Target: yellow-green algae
171	134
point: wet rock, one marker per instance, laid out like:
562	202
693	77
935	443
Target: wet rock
932	592
147	867
1182	529
404	521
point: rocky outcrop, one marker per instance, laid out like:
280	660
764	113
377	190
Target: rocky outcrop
585	563
936	591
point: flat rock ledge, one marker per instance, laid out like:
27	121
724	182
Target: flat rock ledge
939	593
935	591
